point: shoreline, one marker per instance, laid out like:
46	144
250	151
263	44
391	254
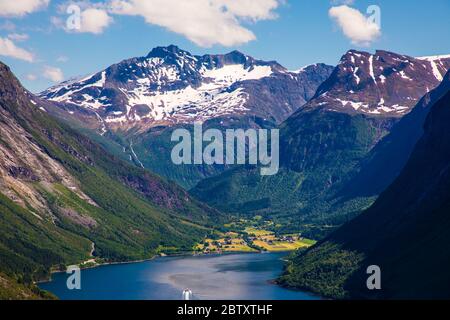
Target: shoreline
98	265
270	281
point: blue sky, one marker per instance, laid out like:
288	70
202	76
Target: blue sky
293	32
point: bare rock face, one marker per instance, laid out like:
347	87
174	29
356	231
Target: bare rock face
380	84
23	162
170	86
38	156
60	192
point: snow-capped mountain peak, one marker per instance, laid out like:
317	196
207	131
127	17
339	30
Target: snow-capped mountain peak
380	84
170	85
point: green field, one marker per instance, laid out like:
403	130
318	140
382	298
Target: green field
251	236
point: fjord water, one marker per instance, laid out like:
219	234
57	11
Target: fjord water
227	277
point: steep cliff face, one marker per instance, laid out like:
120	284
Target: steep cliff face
385	162
405	233
60	192
23	162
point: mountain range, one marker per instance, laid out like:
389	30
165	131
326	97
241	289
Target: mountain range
327	144
333	121
170	86
137	103
80	162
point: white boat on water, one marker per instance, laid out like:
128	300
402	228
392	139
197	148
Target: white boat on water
187	294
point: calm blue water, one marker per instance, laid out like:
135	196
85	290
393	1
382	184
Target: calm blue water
227	277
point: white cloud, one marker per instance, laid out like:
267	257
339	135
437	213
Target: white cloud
31	77
82	17
355	26
204	22
94	21
18	37
9	49
251	9
53	74
19	8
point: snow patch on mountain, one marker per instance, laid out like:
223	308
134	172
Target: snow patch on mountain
436	62
188	103
381	84
146	88
434	58
230	74
170	86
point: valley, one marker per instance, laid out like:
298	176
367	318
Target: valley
60	192
87	175
331	121
224	150
253	235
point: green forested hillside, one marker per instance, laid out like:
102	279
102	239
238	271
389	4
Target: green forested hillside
319	151
405	233
60	192
15	289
